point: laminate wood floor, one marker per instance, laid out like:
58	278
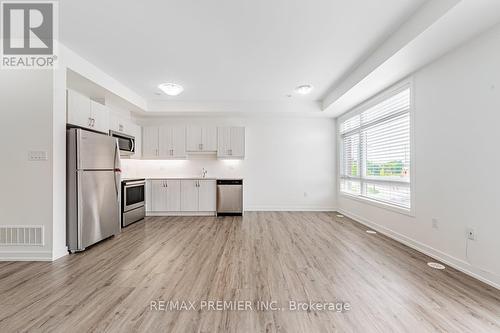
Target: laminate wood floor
264	256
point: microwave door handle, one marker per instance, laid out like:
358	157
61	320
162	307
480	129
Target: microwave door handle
133	145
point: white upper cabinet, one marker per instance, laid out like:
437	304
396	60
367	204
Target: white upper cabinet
172	142
237	142
178	142
194	141
121	124
86	113
201	139
100	117
209	138
164	142
231	142
78	109
150	139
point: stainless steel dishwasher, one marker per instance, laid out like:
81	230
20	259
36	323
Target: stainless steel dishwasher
229	197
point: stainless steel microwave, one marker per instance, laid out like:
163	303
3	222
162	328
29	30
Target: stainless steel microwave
126	143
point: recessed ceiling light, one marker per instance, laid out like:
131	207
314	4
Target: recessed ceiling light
171	89
304	89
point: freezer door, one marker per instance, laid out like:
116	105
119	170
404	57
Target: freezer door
96	151
98	204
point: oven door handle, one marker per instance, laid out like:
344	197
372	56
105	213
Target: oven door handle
134	184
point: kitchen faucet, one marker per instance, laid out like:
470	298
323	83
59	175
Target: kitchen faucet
204	172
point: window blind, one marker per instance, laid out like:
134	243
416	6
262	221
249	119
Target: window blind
375	152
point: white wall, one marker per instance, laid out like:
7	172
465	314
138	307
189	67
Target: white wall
26	104
59	248
457	117
285	158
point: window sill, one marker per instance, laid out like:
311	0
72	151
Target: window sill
379	204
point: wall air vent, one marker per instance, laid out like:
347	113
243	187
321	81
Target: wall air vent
27	235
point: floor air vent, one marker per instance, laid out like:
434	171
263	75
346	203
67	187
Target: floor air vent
21	235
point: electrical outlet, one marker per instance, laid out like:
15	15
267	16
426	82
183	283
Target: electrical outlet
471	234
37	156
435	223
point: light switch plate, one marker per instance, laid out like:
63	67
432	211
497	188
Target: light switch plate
37	155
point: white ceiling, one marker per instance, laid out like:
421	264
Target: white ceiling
229	50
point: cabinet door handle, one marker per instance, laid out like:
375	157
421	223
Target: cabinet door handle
93	122
90	122
166	183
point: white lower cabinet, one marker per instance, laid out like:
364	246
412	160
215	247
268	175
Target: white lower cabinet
181	196
165	195
207	195
189	195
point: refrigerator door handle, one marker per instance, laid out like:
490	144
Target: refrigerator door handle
117	171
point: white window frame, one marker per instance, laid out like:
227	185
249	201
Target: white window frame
374	100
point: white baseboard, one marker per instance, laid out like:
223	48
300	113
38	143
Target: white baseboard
289	209
25	256
180	213
451	261
249	209
59	253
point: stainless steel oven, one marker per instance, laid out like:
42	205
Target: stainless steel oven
126	143
133	201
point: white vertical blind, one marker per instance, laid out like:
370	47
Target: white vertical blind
375	153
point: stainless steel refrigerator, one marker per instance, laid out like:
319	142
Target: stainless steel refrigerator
93	188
